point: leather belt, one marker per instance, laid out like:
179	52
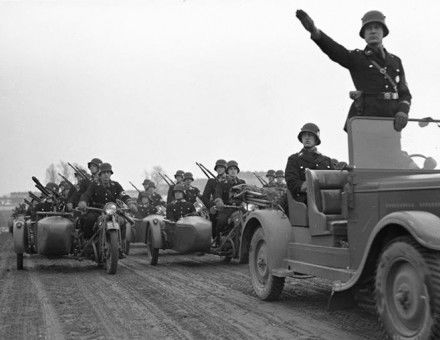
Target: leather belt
384	95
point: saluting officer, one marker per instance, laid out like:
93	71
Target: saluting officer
378	75
178	176
179	207
270	175
191	192
307	158
98	194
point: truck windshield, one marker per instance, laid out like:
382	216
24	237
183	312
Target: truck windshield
374	144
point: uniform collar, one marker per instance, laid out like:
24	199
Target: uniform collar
313	150
368	51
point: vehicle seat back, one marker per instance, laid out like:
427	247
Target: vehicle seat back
297	211
324	198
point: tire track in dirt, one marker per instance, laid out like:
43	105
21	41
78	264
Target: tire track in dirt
229	291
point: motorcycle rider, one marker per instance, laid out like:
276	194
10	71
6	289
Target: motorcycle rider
270	175
179	207
209	192
179	179
145	207
83	183
99	193
153	197
191	192
222	196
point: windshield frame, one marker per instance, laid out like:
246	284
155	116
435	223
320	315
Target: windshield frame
351	143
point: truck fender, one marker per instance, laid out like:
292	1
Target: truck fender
277	233
18	233
421	225
155	225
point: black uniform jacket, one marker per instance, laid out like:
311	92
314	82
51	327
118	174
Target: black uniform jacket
209	191
191	194
155	199
368	79
179	208
97	195
296	170
224	187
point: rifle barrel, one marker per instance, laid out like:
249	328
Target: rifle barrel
209	171
134	186
203	170
171	181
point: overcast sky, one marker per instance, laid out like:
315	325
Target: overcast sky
169	82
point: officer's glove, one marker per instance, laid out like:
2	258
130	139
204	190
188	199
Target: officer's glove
400	121
133	207
304	187
69	206
219	203
307	22
213	210
82	205
343	166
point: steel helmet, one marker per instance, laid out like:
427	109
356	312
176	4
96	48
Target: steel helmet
52	186
279	173
148	183
312	128
95	161
220	162
179	187
188	175
231	164
179	173
270	173
105	167
374	16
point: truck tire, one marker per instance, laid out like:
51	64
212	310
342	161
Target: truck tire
407	290
266	286
19	261
152	253
112	253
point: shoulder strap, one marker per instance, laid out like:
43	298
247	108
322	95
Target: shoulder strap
386	75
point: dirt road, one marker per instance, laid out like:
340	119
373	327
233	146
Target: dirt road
184	297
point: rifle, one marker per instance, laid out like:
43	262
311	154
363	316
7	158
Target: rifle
134	186
34	197
27	202
206	169
165	179
203	170
65	178
40	186
171	181
262	181
79	172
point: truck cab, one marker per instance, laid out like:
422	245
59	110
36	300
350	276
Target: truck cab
376	224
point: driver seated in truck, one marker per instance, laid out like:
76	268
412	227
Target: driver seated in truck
307	158
179	207
97	195
223	198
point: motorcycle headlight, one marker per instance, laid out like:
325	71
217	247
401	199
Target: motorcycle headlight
251	207
110	208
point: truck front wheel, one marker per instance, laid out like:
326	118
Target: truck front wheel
266	286
408	290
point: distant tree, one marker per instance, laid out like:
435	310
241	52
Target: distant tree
155	177
52	174
66	170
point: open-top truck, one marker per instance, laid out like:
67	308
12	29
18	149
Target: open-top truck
377	224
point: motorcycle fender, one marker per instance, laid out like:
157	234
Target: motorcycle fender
277	233
18	233
156	234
